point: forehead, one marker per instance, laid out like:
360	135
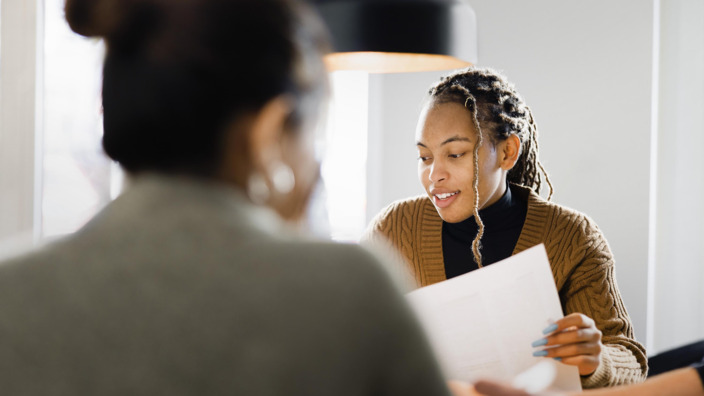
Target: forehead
440	121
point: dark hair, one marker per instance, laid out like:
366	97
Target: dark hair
498	110
178	72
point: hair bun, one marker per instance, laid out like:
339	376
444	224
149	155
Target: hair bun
100	18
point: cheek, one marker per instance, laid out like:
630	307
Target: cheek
490	176
461	173
465	170
489	167
422	173
299	153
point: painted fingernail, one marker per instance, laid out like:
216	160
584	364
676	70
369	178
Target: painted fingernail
540	353
540	342
550	329
559	359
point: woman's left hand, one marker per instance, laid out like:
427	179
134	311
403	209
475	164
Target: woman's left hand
574	340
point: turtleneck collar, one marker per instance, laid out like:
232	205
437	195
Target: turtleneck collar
503	222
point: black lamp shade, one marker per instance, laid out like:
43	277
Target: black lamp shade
436	29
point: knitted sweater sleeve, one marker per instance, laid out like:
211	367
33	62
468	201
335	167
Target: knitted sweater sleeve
387	237
591	289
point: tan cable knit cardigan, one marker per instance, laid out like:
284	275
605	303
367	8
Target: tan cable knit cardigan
579	255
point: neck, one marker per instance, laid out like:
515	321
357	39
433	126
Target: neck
496	196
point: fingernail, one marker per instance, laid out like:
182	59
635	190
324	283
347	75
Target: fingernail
540	353
559	359
540	342
550	329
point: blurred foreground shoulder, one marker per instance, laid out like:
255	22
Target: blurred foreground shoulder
378	320
352	263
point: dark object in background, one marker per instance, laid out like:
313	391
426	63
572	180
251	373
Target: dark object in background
415	35
673	359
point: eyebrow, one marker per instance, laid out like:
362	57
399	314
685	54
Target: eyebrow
455	138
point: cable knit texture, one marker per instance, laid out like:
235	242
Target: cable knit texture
579	255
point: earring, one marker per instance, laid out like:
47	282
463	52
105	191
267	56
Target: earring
257	189
282	177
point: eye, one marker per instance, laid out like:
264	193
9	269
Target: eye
424	159
456	155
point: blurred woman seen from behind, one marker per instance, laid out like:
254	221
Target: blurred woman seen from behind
193	280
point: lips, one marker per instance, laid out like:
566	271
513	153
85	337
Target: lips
444	199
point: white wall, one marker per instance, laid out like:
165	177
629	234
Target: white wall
395	100
585	70
679	222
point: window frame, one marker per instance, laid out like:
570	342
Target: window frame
21	60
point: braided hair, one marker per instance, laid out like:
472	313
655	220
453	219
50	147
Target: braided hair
494	104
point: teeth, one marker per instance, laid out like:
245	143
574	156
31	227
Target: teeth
445	196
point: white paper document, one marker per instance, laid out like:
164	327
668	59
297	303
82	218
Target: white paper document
482	324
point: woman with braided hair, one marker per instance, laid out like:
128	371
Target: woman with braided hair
478	163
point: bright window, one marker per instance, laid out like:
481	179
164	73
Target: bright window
344	166
77	178
76	175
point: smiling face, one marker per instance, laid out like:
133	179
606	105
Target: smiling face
446	137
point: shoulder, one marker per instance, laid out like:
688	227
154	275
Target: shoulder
38	274
322	261
346	277
401	214
322	253
405	207
569	235
297	272
51	252
569	221
557	219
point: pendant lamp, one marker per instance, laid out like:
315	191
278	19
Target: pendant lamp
387	36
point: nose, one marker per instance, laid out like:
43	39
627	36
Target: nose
437	172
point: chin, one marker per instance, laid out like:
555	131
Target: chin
450	217
454	213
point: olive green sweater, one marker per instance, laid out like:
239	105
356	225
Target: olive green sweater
579	255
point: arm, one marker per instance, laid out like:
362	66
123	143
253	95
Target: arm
592	290
682	382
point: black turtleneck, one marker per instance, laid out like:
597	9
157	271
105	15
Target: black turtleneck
503	222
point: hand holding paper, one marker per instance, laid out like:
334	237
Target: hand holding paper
482	324
573	340
534	381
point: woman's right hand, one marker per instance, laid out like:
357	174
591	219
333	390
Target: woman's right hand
459	388
491	388
483	388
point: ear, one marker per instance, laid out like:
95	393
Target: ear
266	131
510	149
253	141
